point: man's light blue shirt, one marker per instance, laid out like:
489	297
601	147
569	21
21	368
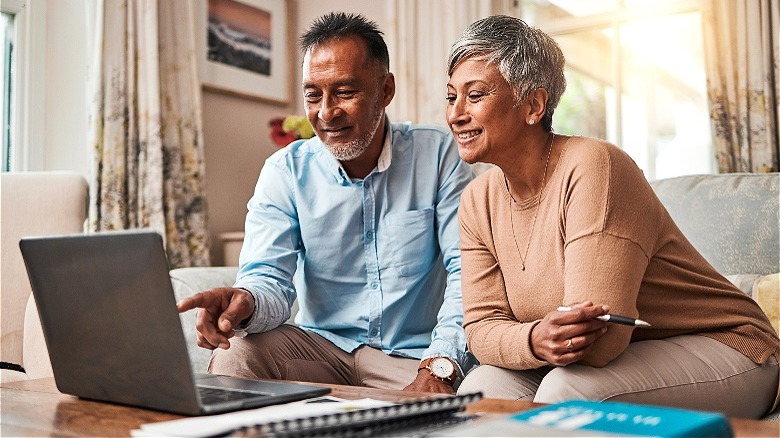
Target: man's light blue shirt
378	258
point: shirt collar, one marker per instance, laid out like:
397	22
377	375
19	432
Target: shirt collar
386	156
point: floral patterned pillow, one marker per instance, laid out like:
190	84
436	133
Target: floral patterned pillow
765	290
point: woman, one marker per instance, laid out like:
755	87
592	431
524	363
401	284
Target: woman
572	222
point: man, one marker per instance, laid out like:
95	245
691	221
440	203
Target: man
366	212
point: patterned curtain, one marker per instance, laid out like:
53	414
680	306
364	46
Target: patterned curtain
146	135
742	57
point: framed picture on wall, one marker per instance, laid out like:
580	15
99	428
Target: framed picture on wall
243	48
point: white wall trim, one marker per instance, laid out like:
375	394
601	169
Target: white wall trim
29	102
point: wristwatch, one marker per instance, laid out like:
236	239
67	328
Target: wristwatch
440	368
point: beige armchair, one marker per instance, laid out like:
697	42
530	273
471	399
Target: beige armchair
33	204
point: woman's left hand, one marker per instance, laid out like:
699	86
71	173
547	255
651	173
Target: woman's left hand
564	337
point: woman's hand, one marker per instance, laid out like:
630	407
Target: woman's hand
564	337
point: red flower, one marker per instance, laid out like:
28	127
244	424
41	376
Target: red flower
290	128
279	135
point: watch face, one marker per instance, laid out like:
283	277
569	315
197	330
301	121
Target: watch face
442	368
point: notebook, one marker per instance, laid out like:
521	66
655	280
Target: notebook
326	417
113	332
417	418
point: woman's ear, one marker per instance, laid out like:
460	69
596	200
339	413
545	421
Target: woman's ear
537	101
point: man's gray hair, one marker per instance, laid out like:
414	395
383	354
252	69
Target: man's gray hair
526	57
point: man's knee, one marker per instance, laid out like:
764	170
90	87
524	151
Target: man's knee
252	357
236	361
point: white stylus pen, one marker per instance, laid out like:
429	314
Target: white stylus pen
617	319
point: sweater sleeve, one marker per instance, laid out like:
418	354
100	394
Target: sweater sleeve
493	334
610	228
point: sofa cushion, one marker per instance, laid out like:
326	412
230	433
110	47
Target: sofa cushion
733	220
187	282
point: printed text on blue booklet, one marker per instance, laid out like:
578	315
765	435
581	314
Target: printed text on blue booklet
626	419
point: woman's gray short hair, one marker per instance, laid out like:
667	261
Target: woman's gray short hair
526	57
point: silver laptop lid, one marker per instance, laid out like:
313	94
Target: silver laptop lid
108	314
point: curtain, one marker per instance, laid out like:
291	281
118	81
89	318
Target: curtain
145	121
742	58
420	32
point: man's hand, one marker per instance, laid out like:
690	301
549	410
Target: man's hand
425	382
223	309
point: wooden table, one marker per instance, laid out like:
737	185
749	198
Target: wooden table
36	408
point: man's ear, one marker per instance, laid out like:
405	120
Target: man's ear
388	88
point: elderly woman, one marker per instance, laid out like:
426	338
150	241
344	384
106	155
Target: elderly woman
565	230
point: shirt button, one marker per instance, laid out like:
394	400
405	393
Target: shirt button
369	235
366	184
374	285
374	332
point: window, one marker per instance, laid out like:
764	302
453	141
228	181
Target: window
635	76
5	107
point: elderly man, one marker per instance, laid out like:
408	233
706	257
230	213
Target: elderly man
366	212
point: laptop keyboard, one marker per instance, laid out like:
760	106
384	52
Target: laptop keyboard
211	395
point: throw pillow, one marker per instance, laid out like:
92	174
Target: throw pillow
766	292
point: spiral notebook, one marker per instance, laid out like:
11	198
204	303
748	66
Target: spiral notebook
407	419
326	416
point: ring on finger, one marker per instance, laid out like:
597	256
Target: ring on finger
569	345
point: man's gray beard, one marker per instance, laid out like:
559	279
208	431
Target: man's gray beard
349	151
355	148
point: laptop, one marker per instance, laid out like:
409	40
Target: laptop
113	332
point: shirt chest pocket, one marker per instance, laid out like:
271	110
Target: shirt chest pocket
409	239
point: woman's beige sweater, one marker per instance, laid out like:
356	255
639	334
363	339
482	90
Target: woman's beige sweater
601	235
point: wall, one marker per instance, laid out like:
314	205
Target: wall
68	48
235	133
235	129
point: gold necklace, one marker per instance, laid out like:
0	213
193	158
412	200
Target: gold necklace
523	256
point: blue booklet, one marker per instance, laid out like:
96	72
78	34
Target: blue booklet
590	418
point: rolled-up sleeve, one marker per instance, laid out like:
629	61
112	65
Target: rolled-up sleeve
270	251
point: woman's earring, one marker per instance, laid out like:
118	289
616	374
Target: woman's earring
531	121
